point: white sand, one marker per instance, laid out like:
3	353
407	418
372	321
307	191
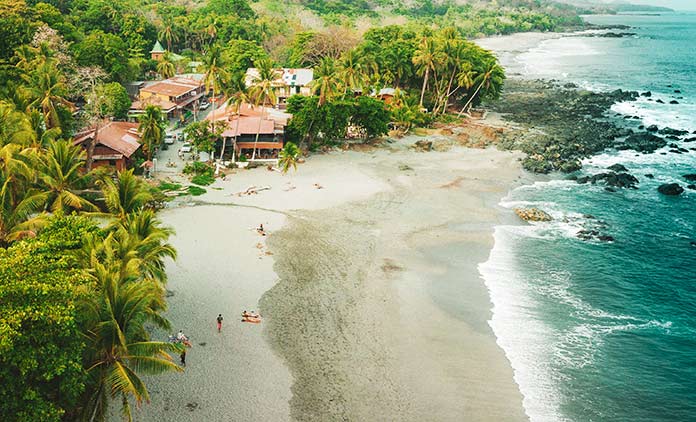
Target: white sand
379	312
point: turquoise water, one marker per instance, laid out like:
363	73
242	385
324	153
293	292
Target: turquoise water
607	331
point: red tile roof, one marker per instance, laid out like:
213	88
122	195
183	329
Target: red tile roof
173	87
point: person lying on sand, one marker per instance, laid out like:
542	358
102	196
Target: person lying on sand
252	320
318	186
251	314
260	230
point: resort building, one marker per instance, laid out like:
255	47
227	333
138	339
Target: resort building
172	95
289	82
242	128
116	144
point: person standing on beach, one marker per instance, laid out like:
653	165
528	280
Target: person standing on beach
183	357
219	322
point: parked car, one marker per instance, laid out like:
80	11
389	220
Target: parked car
169	138
204	105
186	147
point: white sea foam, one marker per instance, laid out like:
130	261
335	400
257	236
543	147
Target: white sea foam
513	308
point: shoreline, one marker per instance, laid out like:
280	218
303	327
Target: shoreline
397	326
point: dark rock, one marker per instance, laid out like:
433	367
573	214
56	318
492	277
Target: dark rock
646	94
673	137
675	151
582	180
671	189
692	187
570	86
617	168
609	189
649	176
605	238
683	149
674	102
677	91
588	216
673	145
690	177
642	142
693	244
652	128
660	101
612	180
641	127
572	177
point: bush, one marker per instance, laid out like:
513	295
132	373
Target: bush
197	168
168	186
202	179
196	191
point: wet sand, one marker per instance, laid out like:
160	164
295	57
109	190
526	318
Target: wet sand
372	302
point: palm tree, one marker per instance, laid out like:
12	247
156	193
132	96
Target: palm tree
490	80
288	157
143	233
60	178
119	349
427	59
351	72
326	84
168	33
237	95
15	127
46	89
126	195
150	128
262	91
402	65
215	74
165	67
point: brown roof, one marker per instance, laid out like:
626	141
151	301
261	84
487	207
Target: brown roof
121	137
153	100
173	87
248	126
260	145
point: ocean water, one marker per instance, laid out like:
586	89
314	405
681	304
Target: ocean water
599	331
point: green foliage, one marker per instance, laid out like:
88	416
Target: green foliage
168	186
151	129
107	51
310	121
117	102
239	55
371	116
288	157
203	135
197	168
41	345
203	179
196	191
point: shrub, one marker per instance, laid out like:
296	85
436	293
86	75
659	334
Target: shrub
196	191
202	179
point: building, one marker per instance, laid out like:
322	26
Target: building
172	95
242	128
116	144
157	52
289	82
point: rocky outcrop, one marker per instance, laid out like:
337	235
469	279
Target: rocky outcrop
612	179
671	189
643	142
532	214
618	168
423	145
690	177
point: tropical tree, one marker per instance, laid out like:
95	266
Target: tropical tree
46	90
151	128
126	195
118	346
351	72
168	32
326	84
215	74
288	157
427	59
262	91
236	92
60	178
489	83
166	67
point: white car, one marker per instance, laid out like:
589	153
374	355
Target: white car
186	147
204	106
169	138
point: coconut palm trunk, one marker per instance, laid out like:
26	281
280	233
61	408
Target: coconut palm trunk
425	83
90	148
471	98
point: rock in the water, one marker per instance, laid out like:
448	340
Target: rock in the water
692	187
652	128
532	214
670	189
670	131
677	91
690	177
674	102
643	142
646	94
650	176
617	168
660	101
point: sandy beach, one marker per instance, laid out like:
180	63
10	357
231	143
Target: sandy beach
373	308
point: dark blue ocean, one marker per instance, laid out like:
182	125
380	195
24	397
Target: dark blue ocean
607	331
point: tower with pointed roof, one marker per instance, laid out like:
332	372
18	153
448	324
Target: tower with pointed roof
157	51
